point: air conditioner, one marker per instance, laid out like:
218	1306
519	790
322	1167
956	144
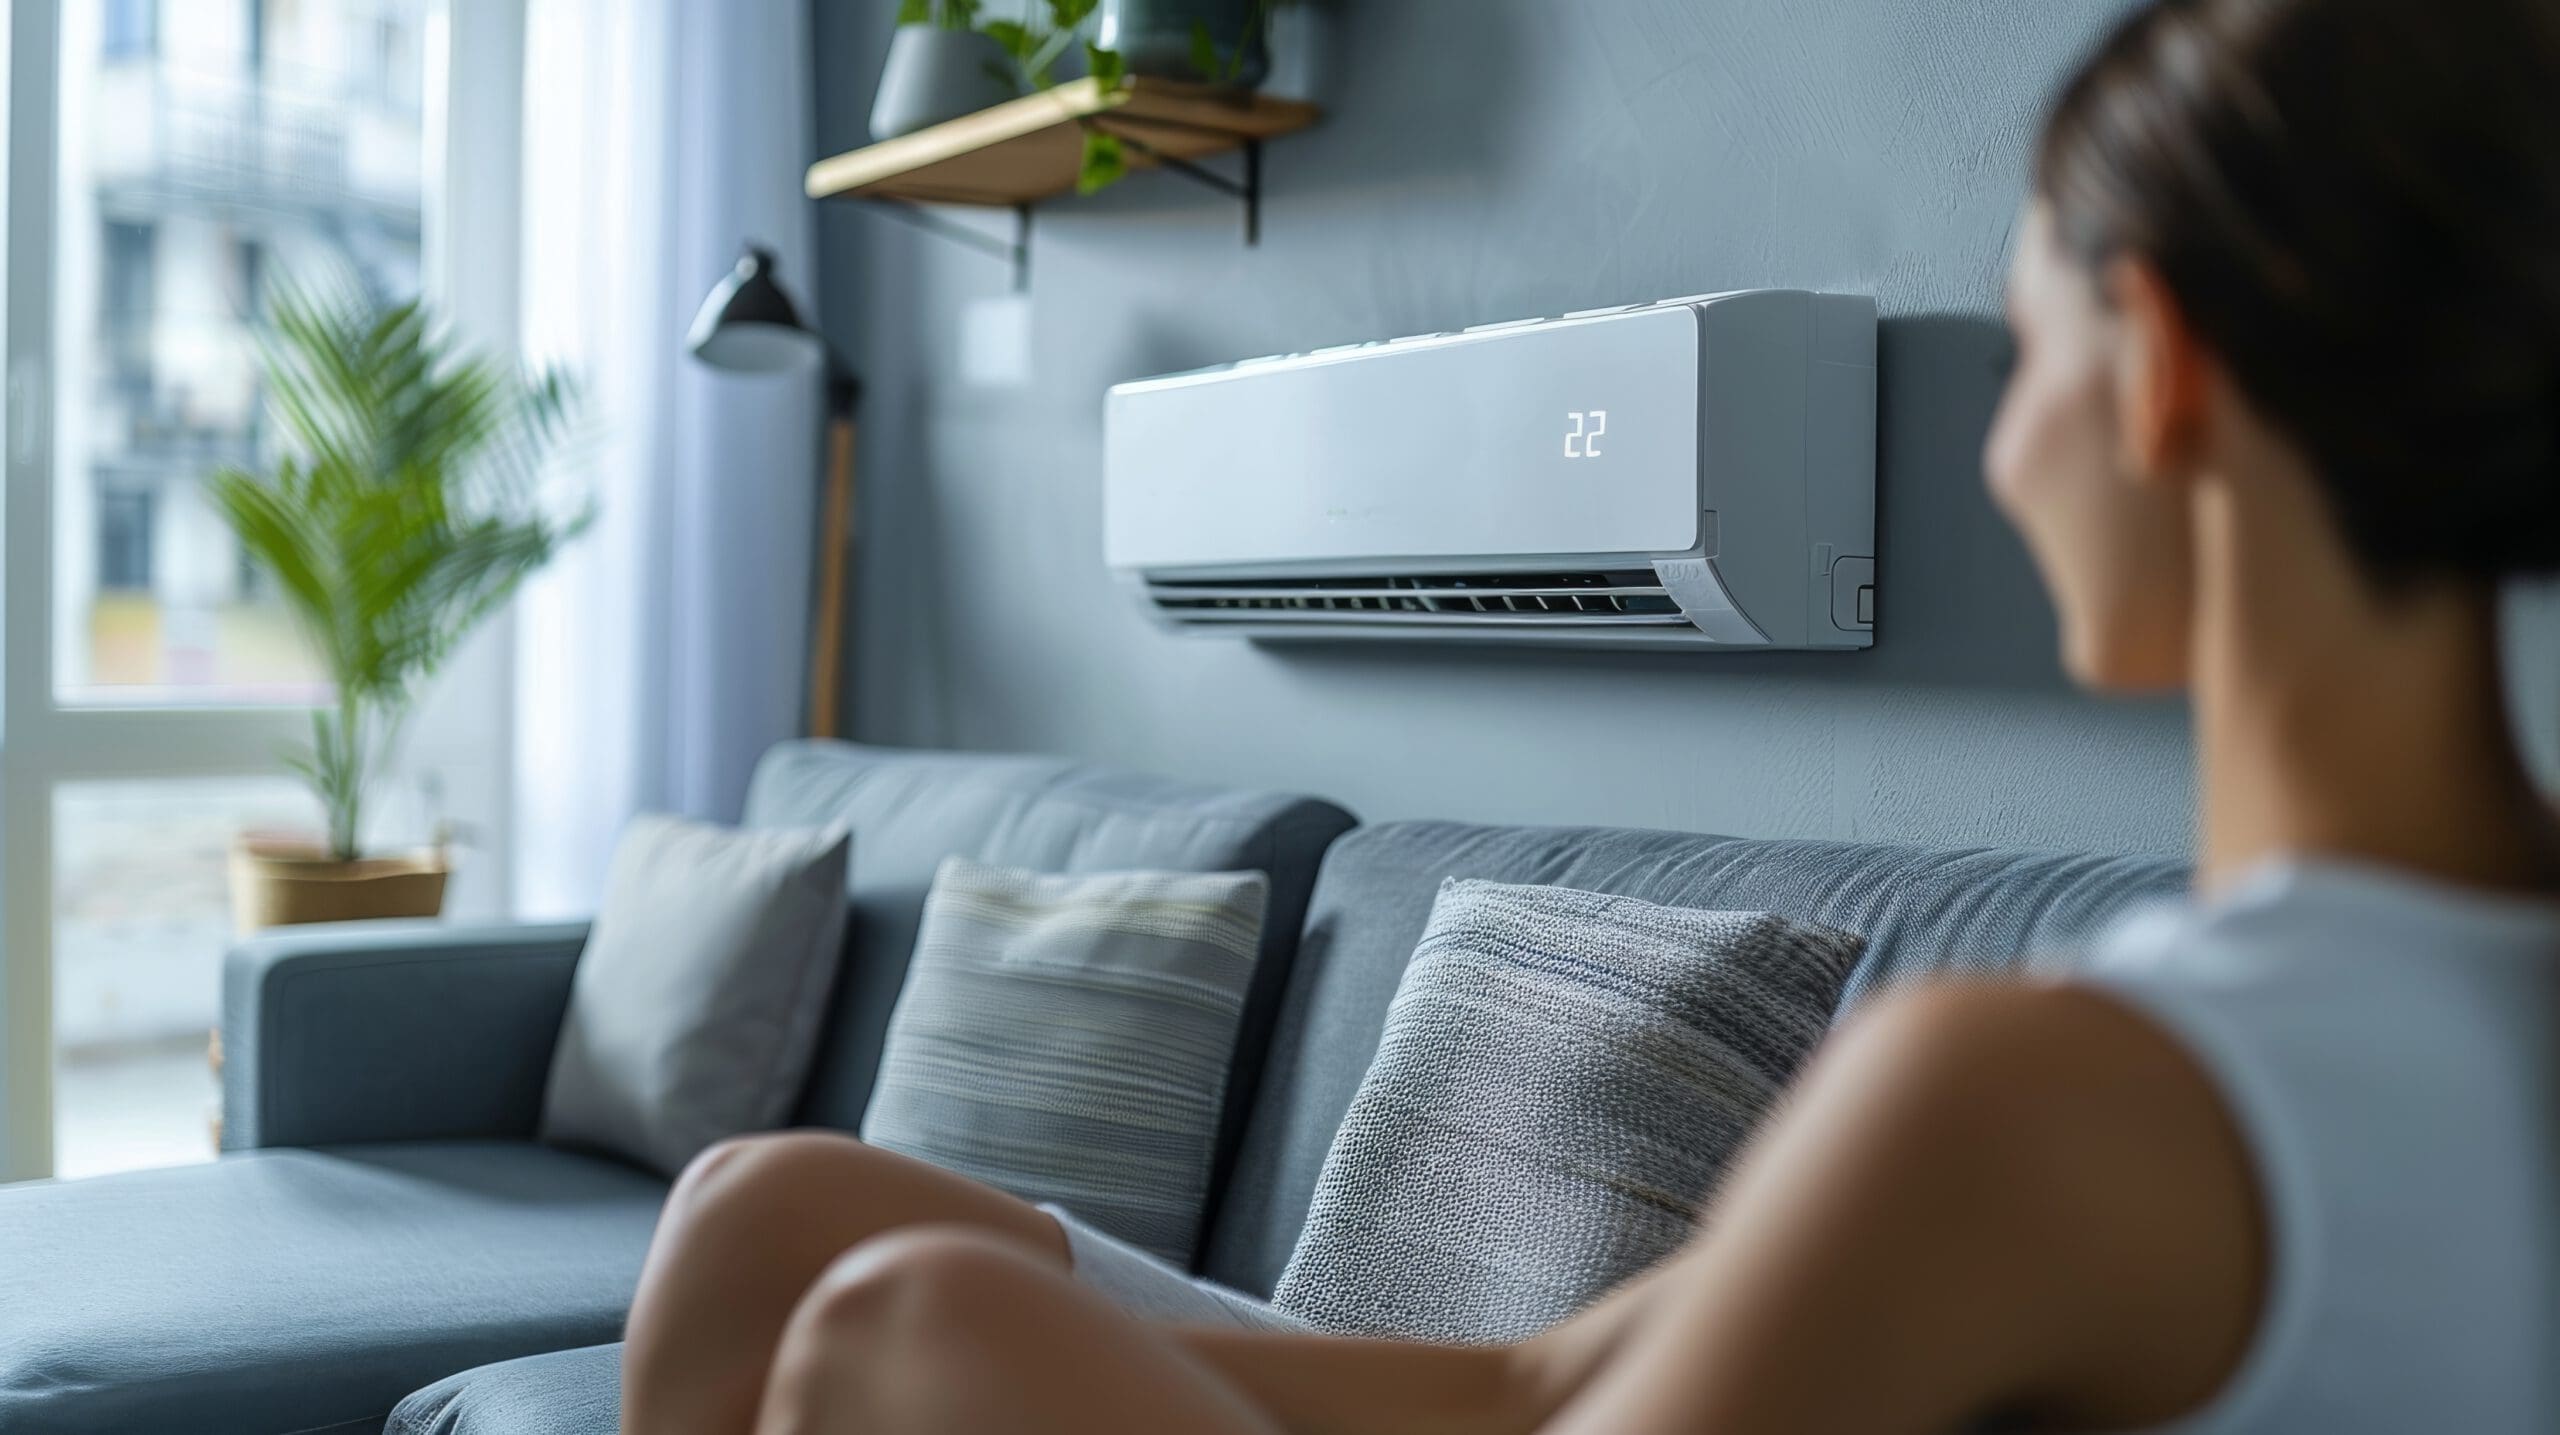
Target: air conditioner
1698	472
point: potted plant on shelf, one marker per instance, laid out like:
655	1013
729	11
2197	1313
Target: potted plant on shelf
946	54
405	514
941	66
1033	46
1216	42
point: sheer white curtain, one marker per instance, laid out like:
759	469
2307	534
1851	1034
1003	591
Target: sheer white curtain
665	651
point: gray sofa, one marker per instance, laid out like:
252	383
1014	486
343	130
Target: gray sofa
386	1234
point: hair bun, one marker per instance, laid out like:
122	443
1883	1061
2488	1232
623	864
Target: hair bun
2358	203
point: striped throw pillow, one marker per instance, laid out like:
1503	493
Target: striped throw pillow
1067	1039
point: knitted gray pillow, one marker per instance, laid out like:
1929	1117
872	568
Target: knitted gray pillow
1067	1038
1562	1079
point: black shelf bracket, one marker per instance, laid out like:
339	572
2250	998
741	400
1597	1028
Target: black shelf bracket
1246	191
1017	252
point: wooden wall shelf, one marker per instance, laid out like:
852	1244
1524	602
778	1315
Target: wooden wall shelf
1030	149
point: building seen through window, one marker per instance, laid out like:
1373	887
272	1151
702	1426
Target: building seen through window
212	149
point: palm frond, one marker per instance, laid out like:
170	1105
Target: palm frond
408	513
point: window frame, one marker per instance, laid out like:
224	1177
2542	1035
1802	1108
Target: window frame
472	249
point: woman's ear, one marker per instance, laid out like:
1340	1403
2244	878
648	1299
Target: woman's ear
2163	374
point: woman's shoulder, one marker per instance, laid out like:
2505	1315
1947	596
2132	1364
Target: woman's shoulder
2388	1050
2305	919
2079	1159
2081	1102
2321	987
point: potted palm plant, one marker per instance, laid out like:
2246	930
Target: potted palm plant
404	513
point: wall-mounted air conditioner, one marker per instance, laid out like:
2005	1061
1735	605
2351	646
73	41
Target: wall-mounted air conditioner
1698	472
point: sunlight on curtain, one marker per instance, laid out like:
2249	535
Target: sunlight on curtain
663	653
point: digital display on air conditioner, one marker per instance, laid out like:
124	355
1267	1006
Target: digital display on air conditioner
1584	432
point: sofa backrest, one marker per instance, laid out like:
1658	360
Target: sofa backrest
1921	911
909	810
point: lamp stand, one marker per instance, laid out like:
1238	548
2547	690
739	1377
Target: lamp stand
835	546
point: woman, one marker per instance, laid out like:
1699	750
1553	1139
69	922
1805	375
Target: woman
2286	412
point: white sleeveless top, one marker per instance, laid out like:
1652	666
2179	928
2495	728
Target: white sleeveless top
2390	1050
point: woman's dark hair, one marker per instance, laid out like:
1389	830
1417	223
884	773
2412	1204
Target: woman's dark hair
2357	205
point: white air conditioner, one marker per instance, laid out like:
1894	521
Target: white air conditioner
1698	472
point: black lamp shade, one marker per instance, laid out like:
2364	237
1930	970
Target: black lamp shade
749	325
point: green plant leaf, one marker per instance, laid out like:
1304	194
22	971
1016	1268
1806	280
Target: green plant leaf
1109	68
1106	162
1013	35
1204	52
943	14
404	514
1066	15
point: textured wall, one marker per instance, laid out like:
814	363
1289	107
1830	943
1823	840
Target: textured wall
1490	159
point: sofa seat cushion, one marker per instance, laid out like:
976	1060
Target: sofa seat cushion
304	1291
568	1392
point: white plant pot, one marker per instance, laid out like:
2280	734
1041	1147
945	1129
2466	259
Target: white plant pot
935	75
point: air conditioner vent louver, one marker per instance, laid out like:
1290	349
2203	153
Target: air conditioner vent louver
1611	599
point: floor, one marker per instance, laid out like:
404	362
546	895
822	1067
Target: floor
129	1106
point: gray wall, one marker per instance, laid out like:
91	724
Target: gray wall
1489	159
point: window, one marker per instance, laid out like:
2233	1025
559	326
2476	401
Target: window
248	278
397	61
159	681
124	540
125	294
257	57
142	916
131	29
125	286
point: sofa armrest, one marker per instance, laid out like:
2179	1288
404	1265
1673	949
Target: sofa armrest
391	1031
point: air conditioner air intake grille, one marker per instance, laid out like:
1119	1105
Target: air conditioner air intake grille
1612	599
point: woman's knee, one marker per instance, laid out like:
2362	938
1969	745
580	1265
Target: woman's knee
927	1285
901	1326
748	1175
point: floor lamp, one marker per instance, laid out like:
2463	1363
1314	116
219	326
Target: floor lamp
749	325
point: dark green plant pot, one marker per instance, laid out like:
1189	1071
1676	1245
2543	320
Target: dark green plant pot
934	75
1157	36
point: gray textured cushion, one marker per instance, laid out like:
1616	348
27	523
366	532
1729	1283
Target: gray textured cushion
1066	1038
304	1291
1046	815
568	1392
1920	910
695	1008
1562	1079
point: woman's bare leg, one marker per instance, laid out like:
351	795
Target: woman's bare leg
750	1225
956	1332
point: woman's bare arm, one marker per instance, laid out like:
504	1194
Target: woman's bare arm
1981	1199
1327	1385
1992	1200
1334	1385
